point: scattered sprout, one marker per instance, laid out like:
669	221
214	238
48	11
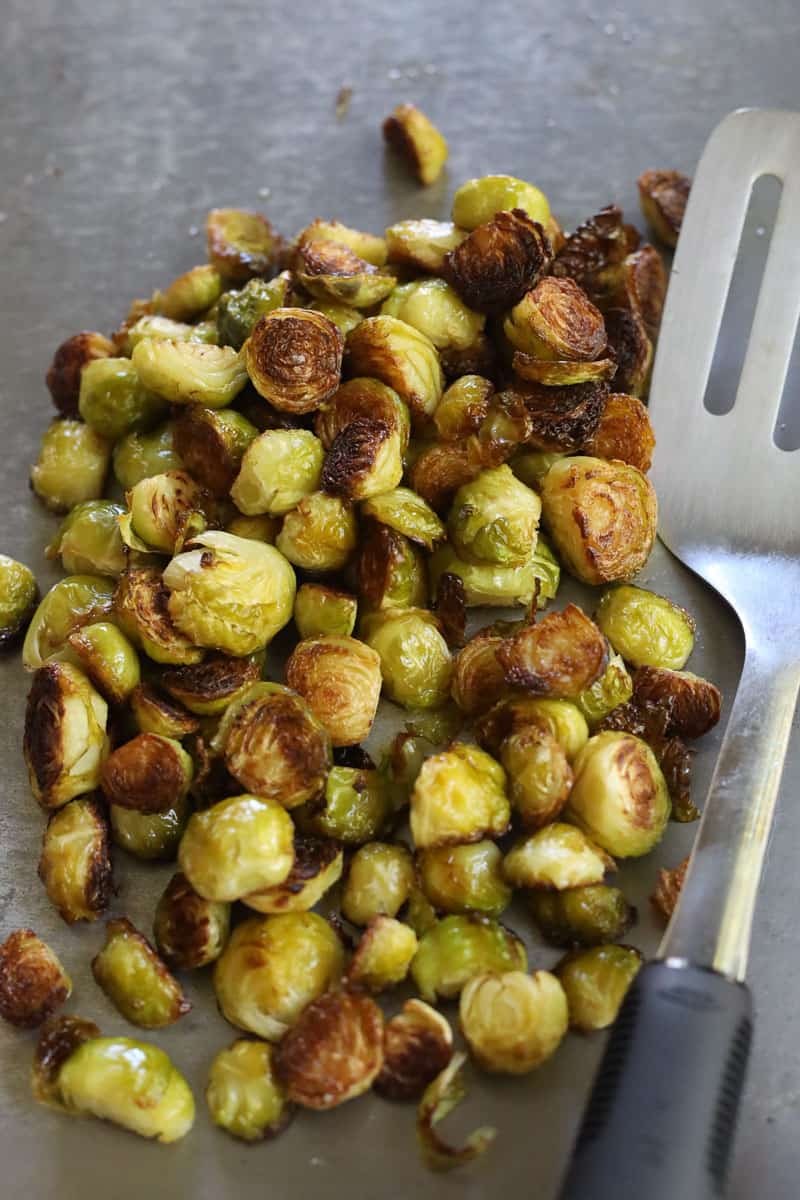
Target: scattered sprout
340	680
407	513
135	979
88	540
148	774
71	603
663	196
238	312
33	983
390	571
332	271
365	459
241	244
632	350
558	856
495	519
668	889
439	1099
414	136
465	879
153	713
647	629
239	845
368	246
614	687
379	882
693	703
362	398
557	321
65	741
563	720
108	658
624	433
163	511
478	677
75	866
434	308
150	836
243	1094
513	1022
294	359
463	407
19	594
321	610
460	947
114	402
415	659
279	468
559	656
595	982
71	467
334	1051
151	325
619	796
417	1045
489	584
383	955
593	254
582	916
318	865
64	373
459	796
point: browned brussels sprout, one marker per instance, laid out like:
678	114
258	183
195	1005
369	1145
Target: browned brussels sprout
241	244
624	432
64	374
414	136
498	262
334	1051
582	916
33	982
663	196
294	359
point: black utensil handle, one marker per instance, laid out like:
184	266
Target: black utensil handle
661	1118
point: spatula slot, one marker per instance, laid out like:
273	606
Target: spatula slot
787	427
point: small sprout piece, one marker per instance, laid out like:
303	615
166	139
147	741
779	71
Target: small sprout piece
239	311
559	373
478	677
463	407
273	967
434	308
539	775
459	796
190	932
478	200
241	244
422	244
64	374
72	602
513	1022
331	270
153	713
451	609
558	856
362	398
383	955
464	879
163	327
108	658
489	584
582	916
415	659
319	534
259	529
189	372
624	433
559	656
531	466
440	1098
643	287
113	401
557	321
668	889
141	608
212	442
60	1037
340	680
416	139
400	356
631	348
601	516
190	294
164	509
135	979
619	796
33	982
495	519
239	845
407	513
663	196
648	630
563	720
614	687
230	593
150	836
320	610
74	865
368	246
498	262
139	455
279	468
460	947
318	865
390	570
244	1096
417	1045
71	467
294	359
595	982
364	460
88	540
65	739
379	882
354	809
148	774
693	703
209	687
594	253
19	594
343	316
334	1051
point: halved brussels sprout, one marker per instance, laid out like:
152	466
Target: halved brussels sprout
136	981
513	1022
648	630
693	704
416	664
631	348
190	294
230	593
75	866
488	584
668	888
190	372
72	465
539	775
383	955
434	308
33	983
273	967
390	570
498	262
439	1099
261	529
72	602
560	656
153	713
19	594
423	243
559	373
464	879
212	443
354	809
459	796
207	688
368	246
478	359
243	1095
294	359
148	835
148	774
663	196
593	254
450	606
151	325
362	398
190	931
141	607
463	407
460	947
478	200
478	677
414	136
237	846
64	373
113	400
340	680
238	312
241	243
595	982
331	270
557	321
619	796
560	718
320	610
582	916
279	468
417	1045
88	540
558	419
65	741
365	459
495	519
642	287
60	1037
139	455
558	856
318	865
343	316
624	433
400	356
319	534
531	466
164	511
108	658
379	882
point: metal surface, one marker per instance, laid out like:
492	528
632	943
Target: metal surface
742	540
120	126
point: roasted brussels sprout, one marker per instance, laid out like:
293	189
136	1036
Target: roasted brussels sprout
141	609
390	571
240	243
383	955
451	609
164	511
439	1099
414	136
398	355
72	602
343	316
239	311
278	469
318	865
563	720
190	372
631	348
464	879
362	398
65	739
668	889
113	401
582	916
230	593
319	534
365	459
415	660
648	630
624	433
478	200
260	529
135	979
331	270
74	865
601	516
153	713
642	287
208	688
494	519
488	584
368	246
108	658
559	656
460	947
614	687
560	373
212	443
619	796
513	1022
190	294
64	374
417	1045
139	455
88	540
354	809
190	932
435	309
243	1095
151	325
594	253
149	835
71	467
422	244
463	407
320	610
558	856
340	680
559	419
459	796
148	774
273	967
539	775
33	982
595	982
294	359
693	704
478	677
531	466
557	321
239	845
498	262
334	1051
379	882
19	594
663	196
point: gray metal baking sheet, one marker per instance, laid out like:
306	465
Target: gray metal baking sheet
120	125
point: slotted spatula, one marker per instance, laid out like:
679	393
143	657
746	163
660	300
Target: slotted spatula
660	1122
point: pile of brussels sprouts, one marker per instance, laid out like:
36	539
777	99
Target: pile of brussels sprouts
359	439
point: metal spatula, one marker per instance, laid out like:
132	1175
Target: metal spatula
661	1118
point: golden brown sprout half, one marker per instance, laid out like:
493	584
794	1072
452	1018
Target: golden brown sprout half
668	888
417	1045
135	979
367	245
414	136
562	373
294	359
478	676
364	460
141	608
33	982
561	718
362	397
557	320
207	688
149	774
439	1099
340	680
383	955
153	713
624	433
190	932
557	856
422	244
559	656
241	244
331	270
211	443
318	865
663	196
631	349
693	703
319	534
459	796
643	287
593	254
539	775
451	609
463	407
64	373
244	1097
512	1021
190	294
560	418
397	354
334	1051
499	262
75	864
65	741
239	845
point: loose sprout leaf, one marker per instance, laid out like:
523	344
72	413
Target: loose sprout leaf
440	1098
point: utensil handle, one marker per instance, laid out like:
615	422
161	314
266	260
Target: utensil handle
661	1117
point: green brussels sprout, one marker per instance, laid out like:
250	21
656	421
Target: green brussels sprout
190	931
65	741
614	687
487	584
60	1037
619	797
362	398
342	316
319	534
64	374
71	467
513	1022
459	947
75	865
582	916
531	466
294	359
397	354
365	459
417	1045
390	570
320	610
135	979
595	982
33	983
556	321
540	778
140	455
230	593
648	630
240	243
495	519
237	846
355	807
278	469
318	865
478	200
332	270
108	658
368	246
558	856
464	879
148	774
415	138
273	967
244	1095
207	688
459	796
420	913
152	325
212	443
163	511
153	713
383	955
463	407
379	882
260	529
340	680
19	595
422	244
113	401
238	312
416	663
190	294
407	513
72	602
190	372
88	540
150	835
560	718
435	309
